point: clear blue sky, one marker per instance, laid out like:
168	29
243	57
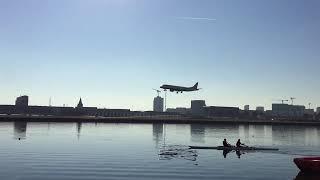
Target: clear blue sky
113	52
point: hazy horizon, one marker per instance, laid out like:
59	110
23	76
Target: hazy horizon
112	53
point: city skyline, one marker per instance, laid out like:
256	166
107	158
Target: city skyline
160	106
113	53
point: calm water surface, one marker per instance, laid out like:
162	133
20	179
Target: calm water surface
131	151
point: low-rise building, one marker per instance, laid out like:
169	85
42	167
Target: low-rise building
114	112
286	110
260	109
218	111
22	107
7	109
309	112
179	110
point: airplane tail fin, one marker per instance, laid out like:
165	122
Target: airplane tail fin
196	86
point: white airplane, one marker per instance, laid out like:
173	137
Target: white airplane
179	88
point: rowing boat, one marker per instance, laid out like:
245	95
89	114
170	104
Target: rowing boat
233	148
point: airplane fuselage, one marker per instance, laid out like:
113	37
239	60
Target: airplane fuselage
173	88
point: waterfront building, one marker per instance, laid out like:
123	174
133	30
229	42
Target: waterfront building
158	104
171	110
22	101
7	109
197	107
318	110
246	107
260	109
269	112
218	111
22	107
114	112
285	110
179	110
309	112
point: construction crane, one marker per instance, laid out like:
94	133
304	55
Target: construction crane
292	98
158	91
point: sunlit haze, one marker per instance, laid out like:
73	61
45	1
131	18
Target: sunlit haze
112	53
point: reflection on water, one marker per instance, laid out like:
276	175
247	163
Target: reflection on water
226	130
256	134
157	132
132	151
244	132
279	135
263	135
311	134
177	152
238	153
79	125
197	132
20	130
289	135
267	134
225	153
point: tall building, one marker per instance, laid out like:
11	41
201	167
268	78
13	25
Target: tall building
158	104
22	101
197	107
246	107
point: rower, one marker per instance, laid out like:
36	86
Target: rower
239	144
226	144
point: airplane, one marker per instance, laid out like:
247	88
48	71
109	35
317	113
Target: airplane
179	88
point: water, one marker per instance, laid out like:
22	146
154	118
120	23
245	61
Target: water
149	151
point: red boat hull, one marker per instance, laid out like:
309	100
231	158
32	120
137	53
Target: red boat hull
310	164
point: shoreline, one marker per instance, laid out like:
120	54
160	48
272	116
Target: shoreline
152	120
